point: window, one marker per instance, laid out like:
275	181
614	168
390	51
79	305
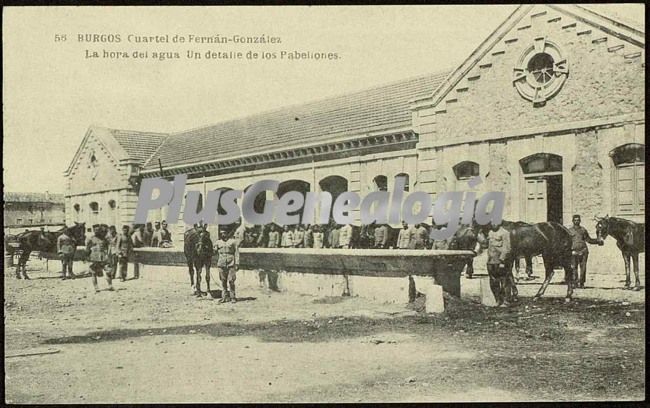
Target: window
541	163
466	170
76	207
540	68
406	180
94	208
19	221
381	183
629	179
112	204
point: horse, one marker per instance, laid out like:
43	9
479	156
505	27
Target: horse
550	239
630	239
203	251
38	241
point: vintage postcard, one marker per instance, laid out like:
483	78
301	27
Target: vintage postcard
211	204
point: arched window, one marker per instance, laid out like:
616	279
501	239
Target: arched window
541	163
628	179
112	204
76	207
406	180
381	183
94	207
335	185
466	170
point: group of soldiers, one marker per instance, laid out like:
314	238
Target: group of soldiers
107	251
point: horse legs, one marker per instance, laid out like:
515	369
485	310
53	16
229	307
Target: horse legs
548	275
198	267
22	262
512	293
570	277
626	259
517	262
529	266
190	268
635	260
207	276
470	269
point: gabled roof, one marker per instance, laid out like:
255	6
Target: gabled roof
10	197
377	109
123	144
622	29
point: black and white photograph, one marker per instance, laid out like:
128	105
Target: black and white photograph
324	204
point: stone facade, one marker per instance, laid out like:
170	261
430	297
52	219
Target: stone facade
33	209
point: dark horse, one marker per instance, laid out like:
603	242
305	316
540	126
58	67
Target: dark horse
34	240
630	239
551	240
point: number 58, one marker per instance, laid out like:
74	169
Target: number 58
59	37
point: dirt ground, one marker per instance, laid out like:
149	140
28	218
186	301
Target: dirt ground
151	341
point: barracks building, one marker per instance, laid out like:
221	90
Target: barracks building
550	109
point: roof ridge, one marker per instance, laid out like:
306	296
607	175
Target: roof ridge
286	108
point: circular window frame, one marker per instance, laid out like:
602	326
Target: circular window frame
526	83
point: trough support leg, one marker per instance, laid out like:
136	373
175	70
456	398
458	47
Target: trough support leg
487	297
435	302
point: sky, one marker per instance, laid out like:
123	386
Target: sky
52	93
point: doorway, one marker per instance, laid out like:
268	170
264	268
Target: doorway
543	193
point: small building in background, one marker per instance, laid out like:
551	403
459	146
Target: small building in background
33	209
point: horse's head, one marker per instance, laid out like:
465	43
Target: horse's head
78	232
602	227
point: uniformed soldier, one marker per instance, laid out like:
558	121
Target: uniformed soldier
287	238
138	237
274	238
319	239
381	236
165	236
113	250
97	248
299	237
421	237
334	236
147	235
579	251
65	247
345	236
124	247
404	237
155	236
498	251
308	239
227	267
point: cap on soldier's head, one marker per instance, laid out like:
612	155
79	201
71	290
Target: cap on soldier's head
576	216
96	226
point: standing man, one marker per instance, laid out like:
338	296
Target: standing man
226	251
113	250
287	238
66	247
124	248
274	237
381	236
404	237
155	236
138	237
308	239
97	247
165	236
421	237
299	236
345	236
318	237
334	236
579	251
498	251
147	235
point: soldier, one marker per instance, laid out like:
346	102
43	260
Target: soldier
333	239
381	236
579	251
124	247
299	237
65	247
498	251
113	250
226	253
274	238
138	237
287	238
318	237
404	237
165	236
155	236
421	237
345	236
97	247
147	235
308	239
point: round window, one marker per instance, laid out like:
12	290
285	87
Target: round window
540	68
